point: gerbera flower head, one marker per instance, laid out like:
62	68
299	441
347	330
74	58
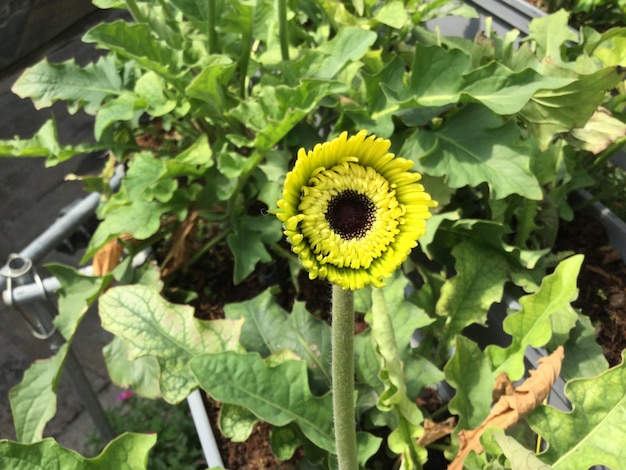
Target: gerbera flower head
352	211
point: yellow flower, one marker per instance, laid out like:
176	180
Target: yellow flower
352	211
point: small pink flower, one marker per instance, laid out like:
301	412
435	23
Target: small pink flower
125	395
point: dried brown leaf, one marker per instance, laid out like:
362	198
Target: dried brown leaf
178	254
434	431
108	257
503	386
509	409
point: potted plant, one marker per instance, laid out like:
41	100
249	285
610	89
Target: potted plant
206	106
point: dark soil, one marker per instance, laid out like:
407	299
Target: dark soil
601	283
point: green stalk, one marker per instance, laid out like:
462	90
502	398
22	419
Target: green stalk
343	377
135	12
210	26
283	32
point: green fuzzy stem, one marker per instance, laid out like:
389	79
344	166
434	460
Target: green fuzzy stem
343	377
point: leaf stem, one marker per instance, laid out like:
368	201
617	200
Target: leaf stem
343	377
283	32
135	11
210	26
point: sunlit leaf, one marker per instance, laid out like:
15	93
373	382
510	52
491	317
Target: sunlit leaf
477	146
126	452
279	395
81	87
151	326
268	328
34	400
531	326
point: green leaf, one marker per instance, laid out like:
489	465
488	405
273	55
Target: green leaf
126	452
551	112
277	109
394	398
549	34
77	293
193	161
119	109
392	14
81	87
284	442
531	326
151	326
268	329
350	44
477	146
594	432
45	143
440	77
279	395
136	41
209	86
236	422
247	243
141	375
34	399
583	355
152	88
141	219
469	372
466	297
519	457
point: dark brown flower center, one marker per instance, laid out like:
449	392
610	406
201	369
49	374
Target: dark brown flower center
350	214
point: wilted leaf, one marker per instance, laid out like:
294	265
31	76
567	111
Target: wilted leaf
177	255
108	257
433	431
601	131
510	408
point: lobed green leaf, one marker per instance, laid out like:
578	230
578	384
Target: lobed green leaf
279	394
151	326
531	326
594	432
126	452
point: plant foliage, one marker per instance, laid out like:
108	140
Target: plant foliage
204	105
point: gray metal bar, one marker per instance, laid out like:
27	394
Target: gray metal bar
62	228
